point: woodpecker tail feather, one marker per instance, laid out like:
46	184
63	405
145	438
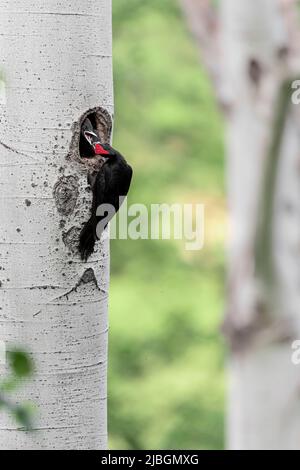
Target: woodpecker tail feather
87	239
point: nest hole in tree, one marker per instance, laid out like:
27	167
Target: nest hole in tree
102	122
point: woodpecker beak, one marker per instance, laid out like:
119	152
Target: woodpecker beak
92	139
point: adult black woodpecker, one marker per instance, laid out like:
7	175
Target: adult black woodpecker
110	186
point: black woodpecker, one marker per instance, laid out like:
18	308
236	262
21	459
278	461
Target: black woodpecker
110	186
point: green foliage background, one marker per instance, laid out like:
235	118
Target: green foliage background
166	370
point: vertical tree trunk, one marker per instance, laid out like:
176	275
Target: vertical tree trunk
264	384
57	64
258	45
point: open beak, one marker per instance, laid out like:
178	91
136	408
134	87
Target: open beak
92	138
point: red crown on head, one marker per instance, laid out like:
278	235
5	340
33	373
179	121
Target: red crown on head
99	150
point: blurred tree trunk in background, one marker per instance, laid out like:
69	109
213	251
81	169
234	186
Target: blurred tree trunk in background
57	64
251	48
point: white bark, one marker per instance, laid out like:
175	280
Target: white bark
56	59
264	384
258	49
203	21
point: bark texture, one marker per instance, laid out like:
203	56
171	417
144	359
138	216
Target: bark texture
57	63
259	50
261	323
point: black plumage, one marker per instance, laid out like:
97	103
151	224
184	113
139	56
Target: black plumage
110	186
89	139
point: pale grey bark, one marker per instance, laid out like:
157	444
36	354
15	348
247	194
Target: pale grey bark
56	58
204	24
259	49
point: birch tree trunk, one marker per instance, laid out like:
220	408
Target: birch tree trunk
57	63
258	51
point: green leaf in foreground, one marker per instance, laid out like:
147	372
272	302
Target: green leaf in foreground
24	415
21	363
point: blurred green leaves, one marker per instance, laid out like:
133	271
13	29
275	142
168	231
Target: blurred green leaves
21	364
166	357
20	369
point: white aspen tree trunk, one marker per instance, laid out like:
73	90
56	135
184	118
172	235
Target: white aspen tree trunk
264	400
56	58
256	46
